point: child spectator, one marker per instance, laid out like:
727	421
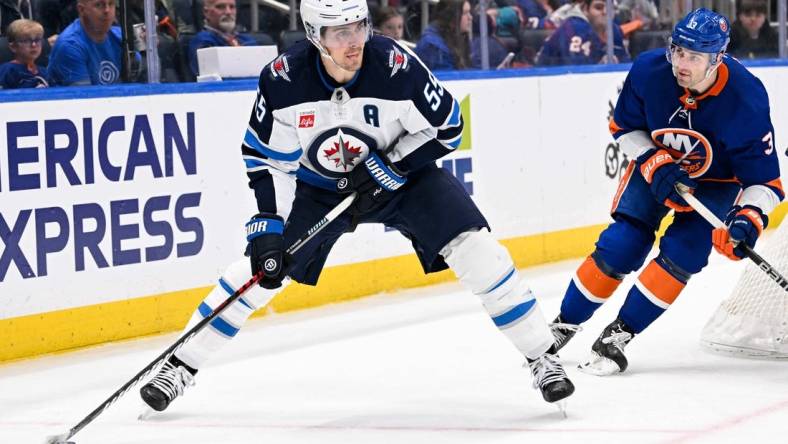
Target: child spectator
24	39
389	22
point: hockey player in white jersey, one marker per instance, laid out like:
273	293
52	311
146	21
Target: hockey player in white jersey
348	111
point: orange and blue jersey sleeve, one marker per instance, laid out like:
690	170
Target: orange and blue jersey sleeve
752	151
630	111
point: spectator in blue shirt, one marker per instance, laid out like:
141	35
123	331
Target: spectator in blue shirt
444	44
24	40
582	38
88	51
219	30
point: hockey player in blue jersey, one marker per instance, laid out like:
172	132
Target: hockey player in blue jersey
346	112
696	118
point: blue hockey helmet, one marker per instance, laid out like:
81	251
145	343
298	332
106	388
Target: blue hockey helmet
702	30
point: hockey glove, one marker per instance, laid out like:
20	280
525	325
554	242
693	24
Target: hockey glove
375	181
745	224
663	174
266	249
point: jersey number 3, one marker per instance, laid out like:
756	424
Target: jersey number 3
433	91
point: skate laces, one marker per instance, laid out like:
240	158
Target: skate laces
546	370
172	380
563	326
618	338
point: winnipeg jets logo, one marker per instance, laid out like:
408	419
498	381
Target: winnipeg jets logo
343	154
691	149
397	61
337	151
280	68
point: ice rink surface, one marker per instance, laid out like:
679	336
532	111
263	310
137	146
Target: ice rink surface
423	366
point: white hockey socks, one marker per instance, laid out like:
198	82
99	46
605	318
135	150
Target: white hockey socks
484	265
224	327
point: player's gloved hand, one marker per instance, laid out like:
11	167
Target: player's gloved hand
375	181
266	249
745	224
663	174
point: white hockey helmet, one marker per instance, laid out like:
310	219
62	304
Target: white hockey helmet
319	13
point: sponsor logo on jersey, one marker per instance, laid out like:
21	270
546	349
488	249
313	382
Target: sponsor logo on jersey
397	61
306	119
691	149
280	68
338	150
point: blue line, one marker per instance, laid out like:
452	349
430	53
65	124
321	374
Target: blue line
250	83
137	89
514	314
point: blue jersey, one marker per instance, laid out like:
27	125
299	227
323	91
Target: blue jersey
210	38
433	51
16	75
78	60
724	134
304	125
576	43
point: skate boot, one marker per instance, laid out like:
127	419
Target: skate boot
607	353
562	332
168	384
550	378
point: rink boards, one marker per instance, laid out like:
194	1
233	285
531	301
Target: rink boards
122	205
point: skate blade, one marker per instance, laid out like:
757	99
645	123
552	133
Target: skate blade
561	405
599	366
58	439
146	414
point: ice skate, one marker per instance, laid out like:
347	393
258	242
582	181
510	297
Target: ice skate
550	378
168	384
562	332
607	353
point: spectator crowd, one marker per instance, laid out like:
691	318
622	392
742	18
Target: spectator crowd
79	42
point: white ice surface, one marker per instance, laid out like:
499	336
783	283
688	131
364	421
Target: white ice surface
424	366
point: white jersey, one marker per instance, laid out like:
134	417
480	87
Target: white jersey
306	126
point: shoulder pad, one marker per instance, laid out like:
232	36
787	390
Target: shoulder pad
289	64
389	55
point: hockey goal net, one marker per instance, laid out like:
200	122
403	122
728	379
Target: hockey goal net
753	321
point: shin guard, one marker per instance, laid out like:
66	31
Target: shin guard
484	265
225	326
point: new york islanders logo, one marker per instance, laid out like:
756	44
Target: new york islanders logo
397	61
280	68
338	150
690	148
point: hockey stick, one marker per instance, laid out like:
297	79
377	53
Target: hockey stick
316	228
710	217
